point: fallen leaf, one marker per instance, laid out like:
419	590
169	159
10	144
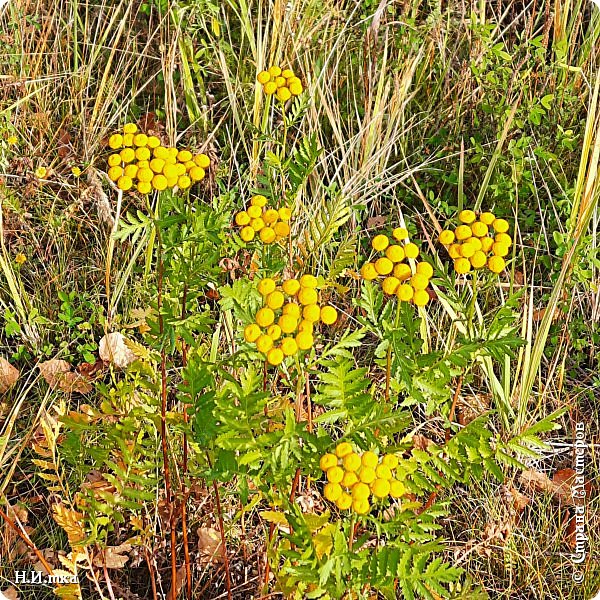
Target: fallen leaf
209	545
9	594
179	579
540	482
8	375
113	349
113	557
58	375
376	222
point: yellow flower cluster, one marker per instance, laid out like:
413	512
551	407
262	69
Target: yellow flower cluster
352	478
272	225
398	277
281	316
472	244
283	83
142	161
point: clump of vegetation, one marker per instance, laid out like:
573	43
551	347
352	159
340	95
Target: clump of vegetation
321	331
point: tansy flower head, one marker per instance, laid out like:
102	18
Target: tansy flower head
284	325
283	83
478	242
394	271
271	223
356	481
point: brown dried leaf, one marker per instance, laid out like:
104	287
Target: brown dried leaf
540	482
58	375
376	222
114	557
70	521
8	375
9	594
421	442
179	579
209	545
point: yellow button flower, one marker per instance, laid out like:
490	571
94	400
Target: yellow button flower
390	461
267	235
389	285
264	343
292	309
352	462
327	461
329	315
265	317
266	286
350	479
411	250
402	271
288	324
312	313
344	502
424	268
446	237
467	216
124	183
368	272
282	229
405	292
289	346
419	281
369	459
130	128
291	286
275	299
285	214
367	475
478	259
332	491
335	474
159	182
305	340
380	488
397	489
487	217
263	77
343	449
308	281
380	242
420	298
395	253
115	141
275	356
251	332
496	264
274	331
307	296
463	232
479	229
384	266
247	233
360	491
500	225
462	266
400	233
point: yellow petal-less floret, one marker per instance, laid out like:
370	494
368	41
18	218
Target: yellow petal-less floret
274	331
287	73
475	242
257	224
159	182
487	217
127	155
185	156
380	242
424	268
462	232
402	271
266	286
411	250
397	489
446	237
344	502
114	173
462	265
369	459
312	313
306	326
202	160
143	187
479	229
395	253
142	153
405	292
478	260
251	332
305	340
242	218
197	173
270	216
419	281
130	128
153	142
263	77
361	507
308	296
247	233
367	475
140	140
267	235
157	165
283	94
254	211
115	141
288	324
343	449
131	171
503	238
500	225
383	471
291	286
285	214
390	461
361	491
270	88
467	250
114	160
275	300
335	474
124	183
454	251
265	317
389	285
466	216
486	244
275	356
128	139
352	462
380	488
384	266
308	281
258	200
350	479
293	310
496	264
264	343
332	491
420	298
275	71
329	315
400	233
296	88
289	346
282	229
368	272
327	461
499	249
